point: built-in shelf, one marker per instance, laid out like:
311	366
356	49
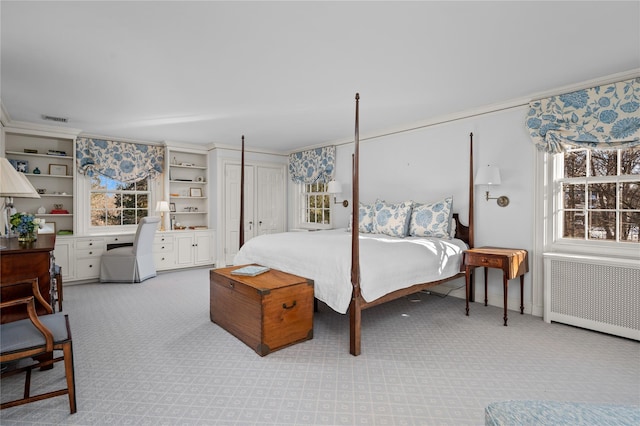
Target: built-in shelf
29	154
54	177
182	178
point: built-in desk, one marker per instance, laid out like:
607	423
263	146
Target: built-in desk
25	260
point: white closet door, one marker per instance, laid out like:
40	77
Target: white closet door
232	208
270	200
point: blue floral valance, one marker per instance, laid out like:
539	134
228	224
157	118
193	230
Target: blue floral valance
601	117
123	161
316	165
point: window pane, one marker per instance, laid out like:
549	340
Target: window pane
629	227
630	161
98	217
113	217
602	196
630	196
602	226
128	216
575	164
143	201
604	163
573	196
573	225
128	200
142	185
141	213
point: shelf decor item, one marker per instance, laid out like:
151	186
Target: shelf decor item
195	192
58	169
25	226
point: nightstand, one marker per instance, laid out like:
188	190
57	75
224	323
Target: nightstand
513	262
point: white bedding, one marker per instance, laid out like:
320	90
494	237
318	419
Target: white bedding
386	263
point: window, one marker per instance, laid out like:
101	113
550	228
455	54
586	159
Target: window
598	195
315	206
116	203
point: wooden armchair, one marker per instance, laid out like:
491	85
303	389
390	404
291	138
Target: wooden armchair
36	337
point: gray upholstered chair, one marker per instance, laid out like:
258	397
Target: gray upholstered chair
131	264
35	337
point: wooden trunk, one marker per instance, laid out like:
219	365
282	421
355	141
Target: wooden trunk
267	312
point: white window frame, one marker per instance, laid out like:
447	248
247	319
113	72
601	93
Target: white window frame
301	208
554	171
83	222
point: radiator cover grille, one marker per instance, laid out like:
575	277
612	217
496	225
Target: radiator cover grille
594	295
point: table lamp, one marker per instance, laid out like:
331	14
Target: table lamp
162	206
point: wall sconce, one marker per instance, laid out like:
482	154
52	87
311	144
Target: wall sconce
336	188
491	176
162	206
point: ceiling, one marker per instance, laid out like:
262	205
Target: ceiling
285	73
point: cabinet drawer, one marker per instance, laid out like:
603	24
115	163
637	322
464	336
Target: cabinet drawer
89	252
119	239
87	243
88	268
163	248
164	260
163	239
483	260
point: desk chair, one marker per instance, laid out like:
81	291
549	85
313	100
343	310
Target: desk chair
131	264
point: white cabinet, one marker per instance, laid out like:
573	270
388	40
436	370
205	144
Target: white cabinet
163	251
88	253
80	257
63	254
264	203
193	248
188	188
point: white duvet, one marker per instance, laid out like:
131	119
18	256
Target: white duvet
386	263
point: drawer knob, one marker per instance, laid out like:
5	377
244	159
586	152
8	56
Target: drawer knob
284	305
231	285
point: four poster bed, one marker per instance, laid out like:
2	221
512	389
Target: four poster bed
392	266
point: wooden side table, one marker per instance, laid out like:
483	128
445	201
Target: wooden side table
513	262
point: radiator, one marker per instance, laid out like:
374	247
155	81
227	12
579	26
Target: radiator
597	293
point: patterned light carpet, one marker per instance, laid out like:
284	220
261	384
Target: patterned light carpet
147	354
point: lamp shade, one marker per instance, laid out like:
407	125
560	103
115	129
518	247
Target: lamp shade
162	206
334	187
13	183
488	176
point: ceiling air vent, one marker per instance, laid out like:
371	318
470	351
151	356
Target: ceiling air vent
56	119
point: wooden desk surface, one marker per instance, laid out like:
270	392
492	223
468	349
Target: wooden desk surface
45	242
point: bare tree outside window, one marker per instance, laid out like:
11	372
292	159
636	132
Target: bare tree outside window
116	203
601	195
315	206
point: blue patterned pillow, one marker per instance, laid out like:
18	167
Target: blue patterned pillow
365	218
392	219
431	220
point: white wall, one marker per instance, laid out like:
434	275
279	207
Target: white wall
431	163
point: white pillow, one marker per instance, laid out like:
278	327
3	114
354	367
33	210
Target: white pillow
431	220
392	219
